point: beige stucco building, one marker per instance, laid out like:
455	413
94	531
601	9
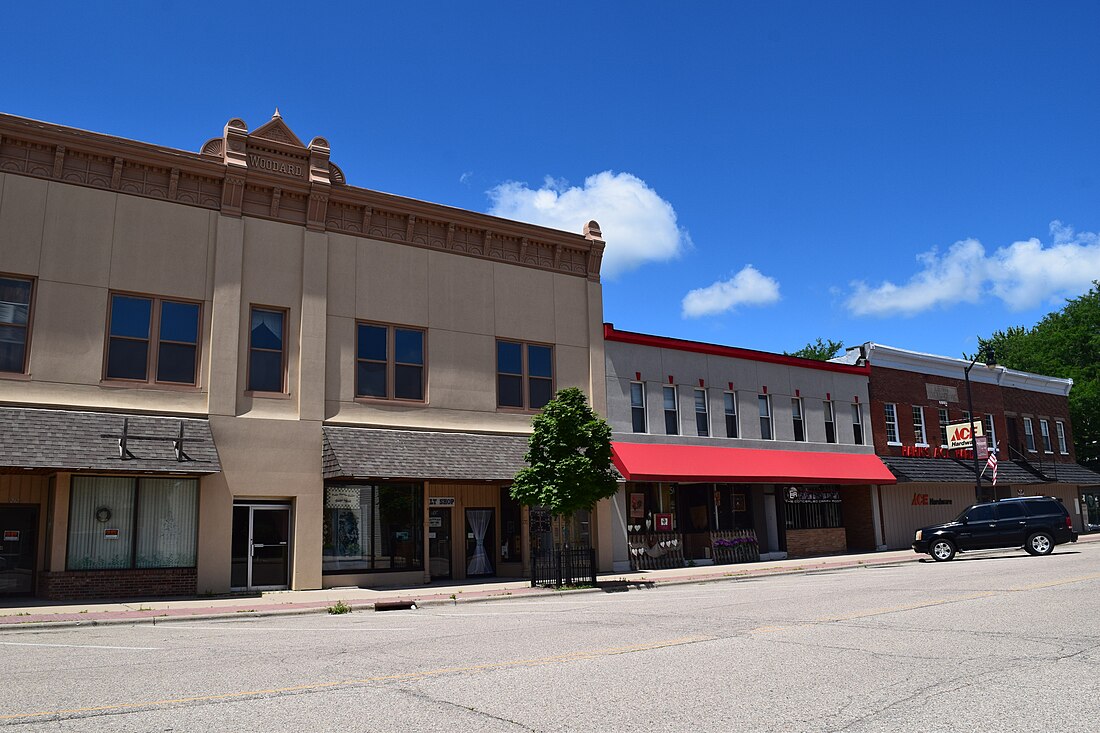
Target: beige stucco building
353	373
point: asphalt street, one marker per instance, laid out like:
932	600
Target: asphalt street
994	641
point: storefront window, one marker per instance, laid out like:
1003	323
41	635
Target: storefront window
126	522
373	527
511	537
812	507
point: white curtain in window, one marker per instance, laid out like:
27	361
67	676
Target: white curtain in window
101	519
479	522
168	521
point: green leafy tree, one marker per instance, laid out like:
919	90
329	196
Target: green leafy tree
1065	343
819	350
568	457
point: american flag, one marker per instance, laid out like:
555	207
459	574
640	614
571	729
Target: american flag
991	462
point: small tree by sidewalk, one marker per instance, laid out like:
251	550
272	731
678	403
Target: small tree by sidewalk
569	458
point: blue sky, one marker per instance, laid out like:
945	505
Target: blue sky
765	173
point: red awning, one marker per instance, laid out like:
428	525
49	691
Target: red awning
704	464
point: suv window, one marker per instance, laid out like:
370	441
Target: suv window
981	513
1010	510
1043	507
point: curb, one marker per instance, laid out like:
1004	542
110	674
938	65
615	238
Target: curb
601	587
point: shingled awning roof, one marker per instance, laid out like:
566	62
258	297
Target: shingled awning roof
953	471
1069	473
420	454
72	440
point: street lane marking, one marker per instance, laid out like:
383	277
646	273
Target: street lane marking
82	646
227	627
400	677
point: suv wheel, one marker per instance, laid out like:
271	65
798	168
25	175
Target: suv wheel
1039	543
942	550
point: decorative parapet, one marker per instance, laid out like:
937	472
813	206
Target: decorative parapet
271	174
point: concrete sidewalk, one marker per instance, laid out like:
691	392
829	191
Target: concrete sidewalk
34	613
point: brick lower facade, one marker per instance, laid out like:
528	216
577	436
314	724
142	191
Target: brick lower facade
810	542
81	585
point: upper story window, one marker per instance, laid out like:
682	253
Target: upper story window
702	419
891	422
991	432
525	375
1044	430
267	350
796	419
1029	435
1061	430
918	425
857	422
15	322
637	406
944	420
149	336
729	406
672	415
830	421
765	404
389	362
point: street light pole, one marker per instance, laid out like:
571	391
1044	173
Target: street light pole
986	354
978	493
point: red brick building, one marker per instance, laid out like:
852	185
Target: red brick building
917	401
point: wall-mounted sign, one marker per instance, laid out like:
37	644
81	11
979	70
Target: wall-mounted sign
941	393
804	495
637	506
981	447
441	501
11	535
342	497
110	534
663	522
274	165
927	451
925	500
958	434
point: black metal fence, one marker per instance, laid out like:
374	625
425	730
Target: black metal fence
563	566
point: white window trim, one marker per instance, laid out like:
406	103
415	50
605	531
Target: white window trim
801	419
770	416
857	412
645	412
918	410
704	411
944	421
1029	432
886	414
675	408
1044	431
1063	447
736	413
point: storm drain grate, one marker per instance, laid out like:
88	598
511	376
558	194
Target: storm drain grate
395	606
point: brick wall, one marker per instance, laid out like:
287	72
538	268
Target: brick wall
116	584
810	542
1021	403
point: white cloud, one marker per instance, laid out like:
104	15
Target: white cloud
464	179
747	287
638	225
1022	275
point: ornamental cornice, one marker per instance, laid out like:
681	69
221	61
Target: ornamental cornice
270	174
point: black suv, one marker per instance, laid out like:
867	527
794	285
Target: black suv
1036	523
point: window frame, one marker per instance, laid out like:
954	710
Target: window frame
857	424
991	432
28	328
1060	429
1029	436
153	341
284	351
830	420
798	420
635	408
920	430
702	429
392	363
890	412
525	375
675	411
133	528
945	419
1044	432
766	401
729	400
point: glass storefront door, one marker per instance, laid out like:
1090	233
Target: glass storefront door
480	542
261	546
439	542
18	549
1090	509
